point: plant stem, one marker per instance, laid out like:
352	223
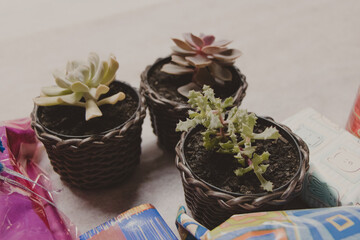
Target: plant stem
223	135
249	162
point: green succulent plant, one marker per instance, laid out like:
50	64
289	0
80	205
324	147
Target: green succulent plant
229	132
82	85
205	58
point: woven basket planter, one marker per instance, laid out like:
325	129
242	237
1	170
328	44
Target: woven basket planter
211	206
97	160
165	113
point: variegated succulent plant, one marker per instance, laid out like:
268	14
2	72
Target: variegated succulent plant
82	85
229	132
205	58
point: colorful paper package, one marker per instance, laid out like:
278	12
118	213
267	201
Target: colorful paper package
310	224
26	209
140	223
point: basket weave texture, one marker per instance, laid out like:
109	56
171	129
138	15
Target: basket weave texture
211	207
99	160
165	113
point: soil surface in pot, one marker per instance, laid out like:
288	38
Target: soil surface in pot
166	84
218	169
70	120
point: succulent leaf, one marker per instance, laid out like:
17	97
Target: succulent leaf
258	159
176	69
79	87
109	76
59	75
92	110
182	44
228	102
266	185
99	74
263	168
197	40
63	83
185	89
268	133
212	49
198	61
227	147
180	51
75	76
192	114
71	99
222	43
203	77
93	60
47	101
97	92
112	99
84	73
228	55
180	60
55	91
188	39
241	171
72	65
208	39
241	160
184	126
213	121
249	151
251	120
220	72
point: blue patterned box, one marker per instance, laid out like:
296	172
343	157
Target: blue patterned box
138	223
334	175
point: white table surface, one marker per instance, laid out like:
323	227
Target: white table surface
296	54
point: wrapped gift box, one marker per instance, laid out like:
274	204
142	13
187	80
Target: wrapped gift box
334	175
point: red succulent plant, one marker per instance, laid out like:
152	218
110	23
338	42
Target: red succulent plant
205	58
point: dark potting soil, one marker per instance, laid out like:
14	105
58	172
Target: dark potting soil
218	169
166	84
70	120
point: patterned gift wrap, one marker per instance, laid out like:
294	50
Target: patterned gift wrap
138	223
309	224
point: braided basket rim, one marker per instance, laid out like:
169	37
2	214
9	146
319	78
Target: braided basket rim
178	106
99	138
252	201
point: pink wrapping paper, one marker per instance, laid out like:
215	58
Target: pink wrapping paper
23	215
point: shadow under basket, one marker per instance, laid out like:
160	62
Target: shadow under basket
211	206
165	113
98	160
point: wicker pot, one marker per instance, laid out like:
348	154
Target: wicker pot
97	160
165	113
211	206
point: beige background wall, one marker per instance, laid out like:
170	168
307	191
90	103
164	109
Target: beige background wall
296	54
